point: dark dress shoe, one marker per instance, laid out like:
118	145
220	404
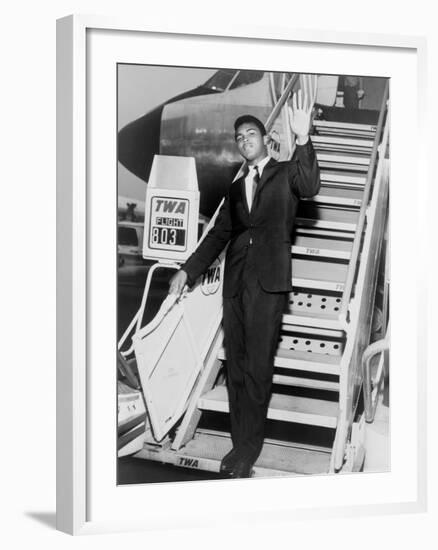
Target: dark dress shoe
243	468
229	461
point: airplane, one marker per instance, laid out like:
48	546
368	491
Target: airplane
199	123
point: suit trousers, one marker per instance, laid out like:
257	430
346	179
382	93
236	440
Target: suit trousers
252	321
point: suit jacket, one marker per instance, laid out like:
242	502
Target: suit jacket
269	224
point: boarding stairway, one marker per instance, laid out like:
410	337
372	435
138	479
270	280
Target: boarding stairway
314	422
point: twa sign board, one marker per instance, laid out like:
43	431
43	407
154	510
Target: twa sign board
168	224
171	209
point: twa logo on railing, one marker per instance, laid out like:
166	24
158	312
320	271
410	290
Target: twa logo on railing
211	279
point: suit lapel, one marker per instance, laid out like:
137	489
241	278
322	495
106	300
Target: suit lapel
241	184
268	171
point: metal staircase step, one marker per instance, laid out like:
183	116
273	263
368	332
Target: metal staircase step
310	383
308	325
325	248
342	178
325	233
308	304
314	343
320	217
302	360
343	161
325	127
286	408
337	196
305	321
342	144
319	275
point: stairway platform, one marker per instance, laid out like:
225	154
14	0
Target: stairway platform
286	408
207	448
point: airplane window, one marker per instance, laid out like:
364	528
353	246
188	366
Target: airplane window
128	236
247	77
220	80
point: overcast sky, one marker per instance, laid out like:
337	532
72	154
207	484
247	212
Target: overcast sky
140	89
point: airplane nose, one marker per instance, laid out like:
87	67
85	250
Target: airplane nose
139	141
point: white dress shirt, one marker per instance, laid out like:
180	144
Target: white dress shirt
250	178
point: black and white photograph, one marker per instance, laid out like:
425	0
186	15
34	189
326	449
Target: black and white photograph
219	299
253	274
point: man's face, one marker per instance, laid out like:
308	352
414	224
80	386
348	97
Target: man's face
251	143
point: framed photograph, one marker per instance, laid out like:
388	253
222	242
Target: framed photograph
191	355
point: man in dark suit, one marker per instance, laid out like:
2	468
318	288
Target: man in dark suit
257	221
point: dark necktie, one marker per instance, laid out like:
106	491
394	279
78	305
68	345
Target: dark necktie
255	182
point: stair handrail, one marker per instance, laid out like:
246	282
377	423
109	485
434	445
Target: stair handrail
136	320
282	100
361	306
380	346
353	266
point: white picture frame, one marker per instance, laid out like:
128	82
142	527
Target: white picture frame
80	497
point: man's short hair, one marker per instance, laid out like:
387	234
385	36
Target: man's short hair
245	119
